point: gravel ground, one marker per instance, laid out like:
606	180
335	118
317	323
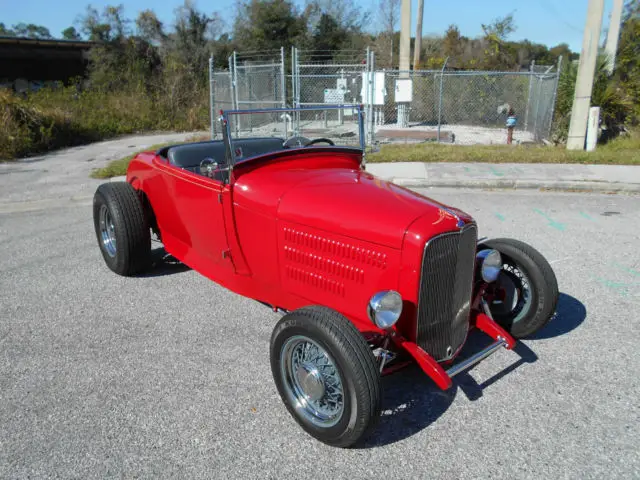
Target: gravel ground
464	134
167	375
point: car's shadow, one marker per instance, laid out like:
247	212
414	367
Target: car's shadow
412	402
163	264
570	313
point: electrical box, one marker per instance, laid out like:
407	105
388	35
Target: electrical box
404	90
378	88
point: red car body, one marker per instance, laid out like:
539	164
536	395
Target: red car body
307	226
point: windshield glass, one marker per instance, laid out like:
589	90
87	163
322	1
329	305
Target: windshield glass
250	133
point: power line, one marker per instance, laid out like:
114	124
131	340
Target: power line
558	15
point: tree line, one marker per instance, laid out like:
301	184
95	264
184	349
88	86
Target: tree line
319	25
144	74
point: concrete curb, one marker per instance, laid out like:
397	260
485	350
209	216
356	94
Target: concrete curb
504	184
586	186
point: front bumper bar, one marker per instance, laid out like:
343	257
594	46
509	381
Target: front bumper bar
434	370
476	358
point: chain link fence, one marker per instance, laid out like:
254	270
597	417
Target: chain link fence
332	78
462	107
254	80
221	97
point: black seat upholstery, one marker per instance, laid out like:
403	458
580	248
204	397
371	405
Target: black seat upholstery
252	147
190	155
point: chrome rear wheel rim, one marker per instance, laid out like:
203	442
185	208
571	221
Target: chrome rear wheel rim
107	231
312	381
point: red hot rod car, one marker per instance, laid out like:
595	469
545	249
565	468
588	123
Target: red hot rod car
369	276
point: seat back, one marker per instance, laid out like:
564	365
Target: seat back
252	147
190	155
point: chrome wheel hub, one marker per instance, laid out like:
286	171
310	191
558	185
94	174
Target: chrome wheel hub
515	289
107	231
312	381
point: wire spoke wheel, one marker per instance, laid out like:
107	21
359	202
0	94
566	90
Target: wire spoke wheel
514	293
524	297
326	375
312	381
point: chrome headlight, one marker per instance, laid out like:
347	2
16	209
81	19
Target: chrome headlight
385	308
490	264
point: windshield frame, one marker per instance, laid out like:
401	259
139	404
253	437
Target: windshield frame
228	140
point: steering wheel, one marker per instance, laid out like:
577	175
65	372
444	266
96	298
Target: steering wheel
208	166
320	140
296	142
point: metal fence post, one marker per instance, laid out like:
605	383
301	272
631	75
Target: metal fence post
444	65
295	82
555	95
231	82
283	81
371	94
294	85
212	100
367	90
235	89
531	73
536	136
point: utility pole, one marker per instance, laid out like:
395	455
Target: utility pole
405	52
405	35
586	73
417	48
613	35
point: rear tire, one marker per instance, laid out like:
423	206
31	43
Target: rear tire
326	375
534	296
121	228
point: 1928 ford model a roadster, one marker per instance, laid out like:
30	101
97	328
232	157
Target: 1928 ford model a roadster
370	276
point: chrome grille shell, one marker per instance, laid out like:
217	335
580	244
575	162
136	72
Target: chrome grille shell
446	285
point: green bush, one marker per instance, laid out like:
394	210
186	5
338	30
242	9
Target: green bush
58	117
615	106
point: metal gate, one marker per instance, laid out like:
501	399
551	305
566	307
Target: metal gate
254	80
334	78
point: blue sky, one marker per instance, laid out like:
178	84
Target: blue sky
543	21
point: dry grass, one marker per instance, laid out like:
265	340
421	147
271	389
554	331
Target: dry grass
622	151
64	116
115	168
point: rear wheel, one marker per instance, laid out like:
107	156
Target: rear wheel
525	294
121	228
326	375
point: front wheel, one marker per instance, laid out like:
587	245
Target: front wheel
326	375
525	295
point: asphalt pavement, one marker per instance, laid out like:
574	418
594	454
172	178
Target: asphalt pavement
167	374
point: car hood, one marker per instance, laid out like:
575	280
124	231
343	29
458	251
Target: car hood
359	205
